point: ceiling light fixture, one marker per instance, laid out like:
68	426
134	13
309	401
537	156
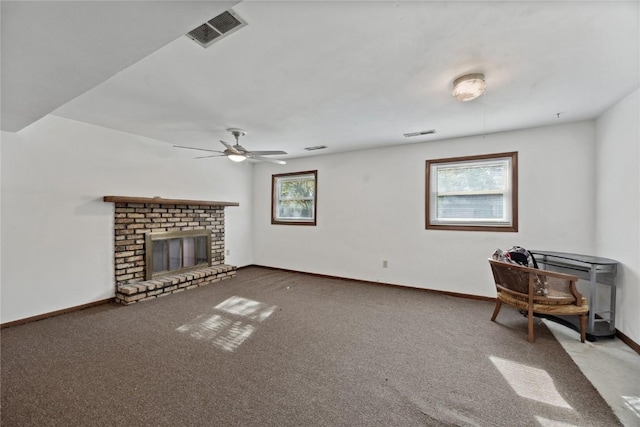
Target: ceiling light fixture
237	157
468	87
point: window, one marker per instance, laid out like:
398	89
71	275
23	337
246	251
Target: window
293	198
476	193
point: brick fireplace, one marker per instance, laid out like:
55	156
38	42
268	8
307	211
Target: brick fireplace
136	217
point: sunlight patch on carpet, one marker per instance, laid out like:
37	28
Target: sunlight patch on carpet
254	310
222	330
545	422
529	382
633	403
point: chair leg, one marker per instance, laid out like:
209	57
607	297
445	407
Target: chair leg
583	326
530	337
496	310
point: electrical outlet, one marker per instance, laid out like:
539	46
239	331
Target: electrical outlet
228	252
385	264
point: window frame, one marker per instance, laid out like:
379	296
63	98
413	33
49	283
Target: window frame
274	198
457	225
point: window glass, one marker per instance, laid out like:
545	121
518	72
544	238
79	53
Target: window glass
202	247
294	198
175	254
188	251
160	258
472	193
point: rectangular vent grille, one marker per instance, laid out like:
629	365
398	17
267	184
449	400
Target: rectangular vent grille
204	34
424	132
224	22
214	29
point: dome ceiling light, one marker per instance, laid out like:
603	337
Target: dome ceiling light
468	87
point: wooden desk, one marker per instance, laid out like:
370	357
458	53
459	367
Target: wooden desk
596	270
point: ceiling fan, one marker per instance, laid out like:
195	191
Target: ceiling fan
237	153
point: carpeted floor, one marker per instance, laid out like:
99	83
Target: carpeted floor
273	348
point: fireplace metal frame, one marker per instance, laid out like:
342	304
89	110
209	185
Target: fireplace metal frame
152	237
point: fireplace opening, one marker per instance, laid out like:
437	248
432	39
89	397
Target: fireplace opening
176	251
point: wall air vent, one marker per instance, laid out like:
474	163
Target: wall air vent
217	28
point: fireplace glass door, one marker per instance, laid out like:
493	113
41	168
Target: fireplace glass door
177	251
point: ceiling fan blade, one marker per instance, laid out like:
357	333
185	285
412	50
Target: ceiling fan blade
206	157
268	153
226	144
199	149
241	149
265	159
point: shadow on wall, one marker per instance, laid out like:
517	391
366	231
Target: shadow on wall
93	207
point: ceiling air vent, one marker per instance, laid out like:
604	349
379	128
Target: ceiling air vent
216	28
423	132
317	147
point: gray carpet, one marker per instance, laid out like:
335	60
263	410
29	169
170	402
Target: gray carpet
273	348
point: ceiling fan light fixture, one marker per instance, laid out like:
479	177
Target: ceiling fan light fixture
237	157
237	153
468	87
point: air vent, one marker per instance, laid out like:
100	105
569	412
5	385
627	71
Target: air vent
317	147
214	29
225	22
423	132
204	34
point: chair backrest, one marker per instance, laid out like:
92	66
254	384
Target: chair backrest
531	284
513	279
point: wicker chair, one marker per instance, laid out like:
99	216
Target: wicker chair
538	291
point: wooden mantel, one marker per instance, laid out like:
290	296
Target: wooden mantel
163	201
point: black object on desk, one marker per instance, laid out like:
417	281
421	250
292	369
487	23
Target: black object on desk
596	270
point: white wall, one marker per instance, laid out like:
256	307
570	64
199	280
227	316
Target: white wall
618	205
371	207
57	233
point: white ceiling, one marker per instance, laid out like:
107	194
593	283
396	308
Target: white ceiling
348	75
53	51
